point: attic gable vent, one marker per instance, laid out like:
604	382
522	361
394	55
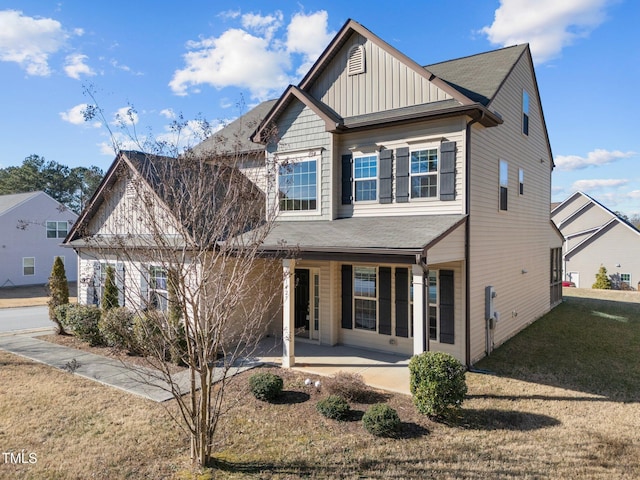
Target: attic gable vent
355	64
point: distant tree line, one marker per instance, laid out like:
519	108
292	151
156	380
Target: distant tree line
73	187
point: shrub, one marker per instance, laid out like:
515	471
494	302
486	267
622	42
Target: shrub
82	321
437	383
110	291
116	328
602	279
334	407
147	335
381	420
265	386
58	292
349	386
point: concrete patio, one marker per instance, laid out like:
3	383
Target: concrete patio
379	370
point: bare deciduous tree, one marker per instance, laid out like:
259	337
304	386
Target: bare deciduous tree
185	233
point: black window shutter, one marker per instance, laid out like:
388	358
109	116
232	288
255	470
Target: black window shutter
120	283
402	302
384	327
386	169
402	175
347	179
448	171
347	296
446	307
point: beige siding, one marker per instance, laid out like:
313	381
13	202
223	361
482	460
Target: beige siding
616	248
510	250
386	84
586	218
449	249
568	208
412	136
301	130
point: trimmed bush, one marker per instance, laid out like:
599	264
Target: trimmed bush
116	328
82	321
437	383
110	290
58	292
265	386
381	420
147	335
349	386
334	407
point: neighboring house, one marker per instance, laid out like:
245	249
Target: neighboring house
34	226
417	199
594	237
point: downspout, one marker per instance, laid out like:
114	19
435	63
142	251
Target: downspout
467	272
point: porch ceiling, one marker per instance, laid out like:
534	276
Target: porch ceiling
401	236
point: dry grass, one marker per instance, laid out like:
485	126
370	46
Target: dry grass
530	420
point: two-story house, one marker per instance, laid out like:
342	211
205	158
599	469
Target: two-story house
33	228
594	237
416	199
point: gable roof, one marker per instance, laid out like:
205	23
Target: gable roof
480	76
468	93
9	202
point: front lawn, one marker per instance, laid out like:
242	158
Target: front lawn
563	403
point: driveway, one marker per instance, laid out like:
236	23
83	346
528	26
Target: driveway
24	318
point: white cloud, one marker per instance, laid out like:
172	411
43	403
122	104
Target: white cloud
598	184
29	41
253	57
308	35
547	25
595	158
76	66
75	116
125	116
168	113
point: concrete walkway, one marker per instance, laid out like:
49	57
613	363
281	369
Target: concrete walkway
379	370
141	381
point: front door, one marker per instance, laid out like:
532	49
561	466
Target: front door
302	297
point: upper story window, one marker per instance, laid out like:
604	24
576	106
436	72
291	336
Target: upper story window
298	185
365	178
504	184
525	112
424	173
521	181
57	229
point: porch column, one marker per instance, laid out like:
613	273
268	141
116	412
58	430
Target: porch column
418	309
288	313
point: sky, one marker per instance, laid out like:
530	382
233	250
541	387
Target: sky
148	64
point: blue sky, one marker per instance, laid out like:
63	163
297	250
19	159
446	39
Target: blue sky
215	60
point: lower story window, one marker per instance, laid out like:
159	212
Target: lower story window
158	295
28	266
433	304
365	298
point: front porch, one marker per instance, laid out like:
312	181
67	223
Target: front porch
378	369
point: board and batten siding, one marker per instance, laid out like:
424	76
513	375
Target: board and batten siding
414	136
510	250
386	83
122	212
301	130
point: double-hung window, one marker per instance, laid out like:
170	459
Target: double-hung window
57	229
365	178
424	173
365	297
504	184
298	185
525	113
158	294
28	266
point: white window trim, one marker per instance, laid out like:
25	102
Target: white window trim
34	267
417	148
151	290
377	178
376	299
296	157
505	185
57	222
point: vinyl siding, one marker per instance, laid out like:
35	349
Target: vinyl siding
505	245
386	84
412	136
588	217
618	244
451	248
301	130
